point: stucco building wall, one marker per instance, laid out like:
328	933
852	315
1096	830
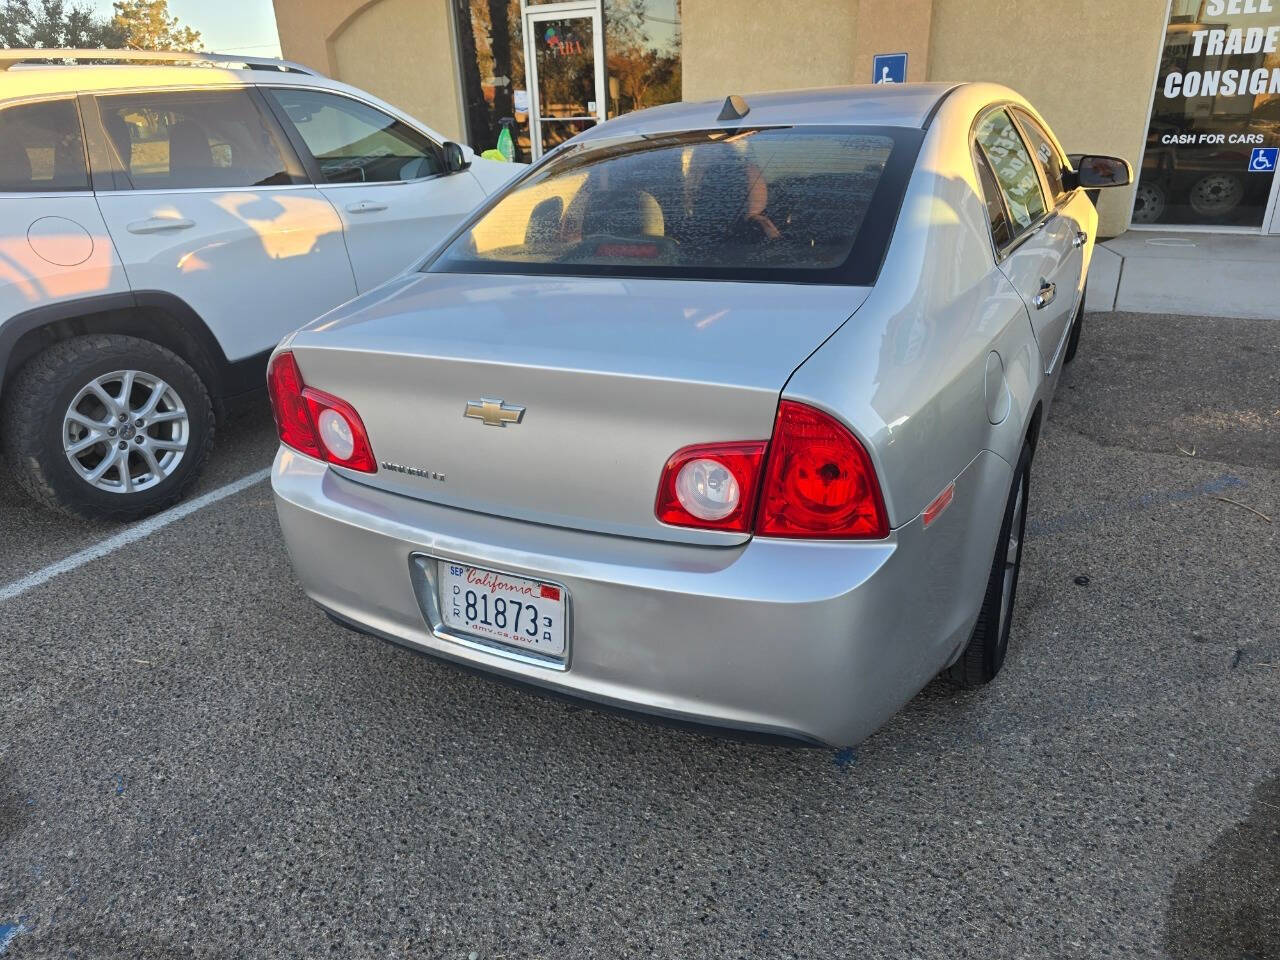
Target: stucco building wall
400	50
1088	66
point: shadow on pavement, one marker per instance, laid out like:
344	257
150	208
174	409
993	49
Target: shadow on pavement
1227	906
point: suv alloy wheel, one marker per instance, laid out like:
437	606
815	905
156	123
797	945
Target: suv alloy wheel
106	426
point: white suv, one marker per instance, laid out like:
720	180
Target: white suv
162	227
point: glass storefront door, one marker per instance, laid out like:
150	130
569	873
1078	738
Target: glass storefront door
565	54
1214	135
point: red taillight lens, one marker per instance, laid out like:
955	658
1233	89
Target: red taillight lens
711	486
314	422
293	419
819	480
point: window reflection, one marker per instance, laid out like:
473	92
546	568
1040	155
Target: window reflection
642	53
493	79
642	46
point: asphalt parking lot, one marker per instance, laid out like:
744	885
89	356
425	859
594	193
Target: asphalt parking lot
197	763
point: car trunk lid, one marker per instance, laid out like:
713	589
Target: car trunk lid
595	382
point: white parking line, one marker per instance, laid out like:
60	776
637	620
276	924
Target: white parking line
134	533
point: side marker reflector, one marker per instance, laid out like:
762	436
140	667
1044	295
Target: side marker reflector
940	503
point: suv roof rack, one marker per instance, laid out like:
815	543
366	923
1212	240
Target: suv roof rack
10	57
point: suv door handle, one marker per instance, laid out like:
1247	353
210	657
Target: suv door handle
1045	297
1080	239
159	225
366	206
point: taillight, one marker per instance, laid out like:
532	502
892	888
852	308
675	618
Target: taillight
293	420
816	482
314	422
819	481
711	486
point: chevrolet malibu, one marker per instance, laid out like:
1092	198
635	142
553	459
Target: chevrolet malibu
724	412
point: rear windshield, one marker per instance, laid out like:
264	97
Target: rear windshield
802	204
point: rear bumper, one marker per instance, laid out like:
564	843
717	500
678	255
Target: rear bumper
819	641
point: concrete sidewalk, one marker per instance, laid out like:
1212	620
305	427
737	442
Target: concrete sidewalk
1190	274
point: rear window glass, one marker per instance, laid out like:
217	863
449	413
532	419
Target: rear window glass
799	203
41	148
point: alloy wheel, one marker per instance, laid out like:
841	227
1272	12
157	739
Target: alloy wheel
126	431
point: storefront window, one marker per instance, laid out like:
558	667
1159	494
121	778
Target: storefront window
493	77
1215	122
642	53
642	67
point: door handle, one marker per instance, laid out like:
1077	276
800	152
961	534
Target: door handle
1080	239
1045	297
159	225
366	206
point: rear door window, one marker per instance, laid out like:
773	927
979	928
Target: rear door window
42	148
353	142
1014	170
997	217
806	204
1045	152
194	139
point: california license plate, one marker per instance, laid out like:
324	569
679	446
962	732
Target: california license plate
501	607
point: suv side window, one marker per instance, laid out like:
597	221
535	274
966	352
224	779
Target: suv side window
1045	152
42	148
191	139
1014	170
354	143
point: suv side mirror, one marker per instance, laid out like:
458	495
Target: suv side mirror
454	159
1093	172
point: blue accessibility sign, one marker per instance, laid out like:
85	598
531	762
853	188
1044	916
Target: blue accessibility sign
1263	159
889	68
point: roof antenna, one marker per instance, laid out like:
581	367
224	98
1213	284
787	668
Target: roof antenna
735	108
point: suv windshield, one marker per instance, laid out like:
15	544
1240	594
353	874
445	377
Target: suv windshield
812	204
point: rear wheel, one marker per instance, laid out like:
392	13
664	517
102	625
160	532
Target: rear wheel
984	656
106	426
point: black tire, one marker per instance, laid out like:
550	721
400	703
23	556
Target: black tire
36	403
984	656
1073	341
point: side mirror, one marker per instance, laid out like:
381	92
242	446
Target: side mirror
454	159
1093	172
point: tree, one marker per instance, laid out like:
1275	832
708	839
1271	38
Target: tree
643	71
147	25
52	23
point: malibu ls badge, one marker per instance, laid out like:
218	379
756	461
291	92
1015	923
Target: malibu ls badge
494	413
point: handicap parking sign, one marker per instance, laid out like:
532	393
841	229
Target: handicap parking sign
1263	159
889	68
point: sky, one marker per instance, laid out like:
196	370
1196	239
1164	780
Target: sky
227	26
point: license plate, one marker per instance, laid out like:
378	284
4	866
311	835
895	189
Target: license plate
514	611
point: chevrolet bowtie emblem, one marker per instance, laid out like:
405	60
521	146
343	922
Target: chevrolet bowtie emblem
494	413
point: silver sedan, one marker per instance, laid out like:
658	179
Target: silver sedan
724	412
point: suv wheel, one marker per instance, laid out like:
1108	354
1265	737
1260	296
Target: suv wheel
106	426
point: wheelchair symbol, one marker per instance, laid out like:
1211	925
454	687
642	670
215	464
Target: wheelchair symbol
1263	159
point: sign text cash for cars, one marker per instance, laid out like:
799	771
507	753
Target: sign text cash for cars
1218	42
